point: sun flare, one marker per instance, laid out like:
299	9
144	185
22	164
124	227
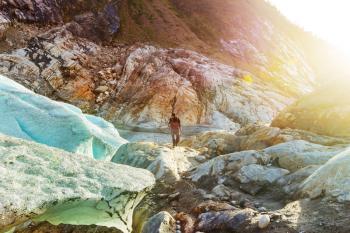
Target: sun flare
327	19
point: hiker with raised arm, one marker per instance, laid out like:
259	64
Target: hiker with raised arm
175	129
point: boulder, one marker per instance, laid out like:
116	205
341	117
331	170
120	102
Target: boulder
331	179
98	27
228	164
37	118
165	163
162	222
260	174
254	137
216	142
291	182
47	184
298	154
231	220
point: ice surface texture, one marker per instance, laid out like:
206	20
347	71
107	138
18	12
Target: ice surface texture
26	115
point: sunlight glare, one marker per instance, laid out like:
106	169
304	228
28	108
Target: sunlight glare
327	19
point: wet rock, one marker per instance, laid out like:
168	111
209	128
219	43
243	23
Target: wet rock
162	222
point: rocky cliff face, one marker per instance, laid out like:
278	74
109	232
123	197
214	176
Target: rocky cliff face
96	20
237	32
254	69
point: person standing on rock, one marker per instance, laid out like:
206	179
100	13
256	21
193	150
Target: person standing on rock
175	129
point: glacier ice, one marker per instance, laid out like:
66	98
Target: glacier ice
27	115
43	183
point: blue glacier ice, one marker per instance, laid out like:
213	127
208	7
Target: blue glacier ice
24	114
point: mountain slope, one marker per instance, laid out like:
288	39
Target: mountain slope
238	32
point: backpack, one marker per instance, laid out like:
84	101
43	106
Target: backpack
174	123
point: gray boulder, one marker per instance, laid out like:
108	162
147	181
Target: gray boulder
332	179
230	163
291	182
162	222
260	174
298	154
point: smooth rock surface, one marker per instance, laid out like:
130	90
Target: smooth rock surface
47	184
37	118
291	182
295	155
260	174
164	162
332	179
162	222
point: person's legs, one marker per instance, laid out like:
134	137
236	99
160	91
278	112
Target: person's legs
173	137
177	138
